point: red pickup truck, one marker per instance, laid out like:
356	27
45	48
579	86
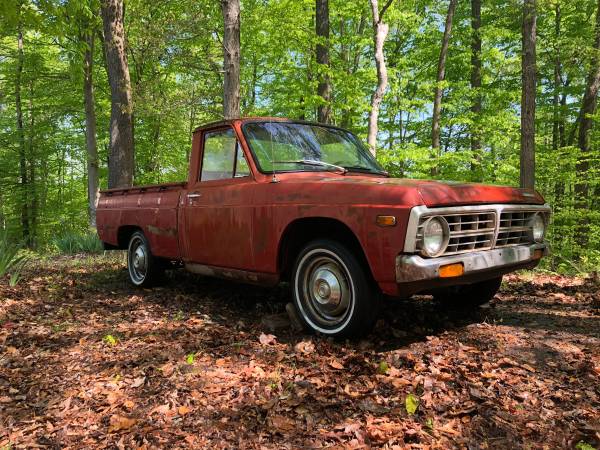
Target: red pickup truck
270	200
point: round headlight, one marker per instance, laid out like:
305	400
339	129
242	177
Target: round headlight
538	228
435	236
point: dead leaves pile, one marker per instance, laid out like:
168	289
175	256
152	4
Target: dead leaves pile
189	365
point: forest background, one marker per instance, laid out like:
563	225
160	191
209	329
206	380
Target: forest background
494	91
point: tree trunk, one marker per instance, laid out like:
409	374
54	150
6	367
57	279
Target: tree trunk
528	91
380	32
441	75
324	86
24	188
121	150
557	83
231	58
557	119
90	127
476	87
588	109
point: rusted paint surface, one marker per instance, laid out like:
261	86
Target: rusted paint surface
234	228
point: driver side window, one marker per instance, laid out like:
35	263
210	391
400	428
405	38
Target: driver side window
222	156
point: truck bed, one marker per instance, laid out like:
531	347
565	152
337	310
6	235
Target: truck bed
151	208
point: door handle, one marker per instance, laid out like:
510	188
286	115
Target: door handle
192	195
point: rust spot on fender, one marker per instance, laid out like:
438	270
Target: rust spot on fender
169	232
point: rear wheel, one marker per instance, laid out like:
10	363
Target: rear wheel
469	296
332	292
144	268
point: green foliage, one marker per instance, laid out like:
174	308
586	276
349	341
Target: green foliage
190	358
581	445
175	60
12	260
72	243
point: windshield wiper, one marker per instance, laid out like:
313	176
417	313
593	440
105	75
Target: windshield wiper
367	170
314	162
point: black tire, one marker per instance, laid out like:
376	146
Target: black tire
332	293
145	269
469	296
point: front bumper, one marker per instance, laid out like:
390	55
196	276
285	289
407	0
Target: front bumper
415	269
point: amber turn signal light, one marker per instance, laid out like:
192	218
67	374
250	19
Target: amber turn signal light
452	270
386	221
538	254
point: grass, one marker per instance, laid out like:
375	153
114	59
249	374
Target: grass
12	260
71	243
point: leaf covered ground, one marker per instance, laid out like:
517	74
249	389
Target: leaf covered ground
87	361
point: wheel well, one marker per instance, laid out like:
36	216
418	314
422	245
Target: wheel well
124	234
301	231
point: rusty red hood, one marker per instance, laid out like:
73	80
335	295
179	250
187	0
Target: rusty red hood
435	193
426	192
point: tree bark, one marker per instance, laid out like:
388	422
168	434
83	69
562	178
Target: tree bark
23	175
476	86
324	86
90	126
557	82
438	92
588	109
121	149
231	58
528	92
380	32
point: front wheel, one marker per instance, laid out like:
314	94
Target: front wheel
144	268
469	296
332	292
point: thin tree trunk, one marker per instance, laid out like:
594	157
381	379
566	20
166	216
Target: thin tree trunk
324	86
32	207
557	119
438	92
528	76
588	109
24	188
380	32
231	58
557	82
476	86
121	151
352	68
90	126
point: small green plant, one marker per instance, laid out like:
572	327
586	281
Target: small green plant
383	368
581	445
12	261
109	339
190	358
71	243
411	403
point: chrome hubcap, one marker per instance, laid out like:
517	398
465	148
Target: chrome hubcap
138	260
325	288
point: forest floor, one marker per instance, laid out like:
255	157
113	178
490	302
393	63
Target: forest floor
88	361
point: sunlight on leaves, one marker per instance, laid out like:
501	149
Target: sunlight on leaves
190	358
581	445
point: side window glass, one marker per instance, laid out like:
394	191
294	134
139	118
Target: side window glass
241	165
219	155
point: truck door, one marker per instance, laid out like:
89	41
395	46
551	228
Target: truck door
218	205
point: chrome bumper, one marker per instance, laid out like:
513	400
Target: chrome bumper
410	268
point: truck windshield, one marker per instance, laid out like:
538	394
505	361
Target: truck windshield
292	146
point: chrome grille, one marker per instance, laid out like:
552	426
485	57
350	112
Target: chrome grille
468	231
475	228
514	228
